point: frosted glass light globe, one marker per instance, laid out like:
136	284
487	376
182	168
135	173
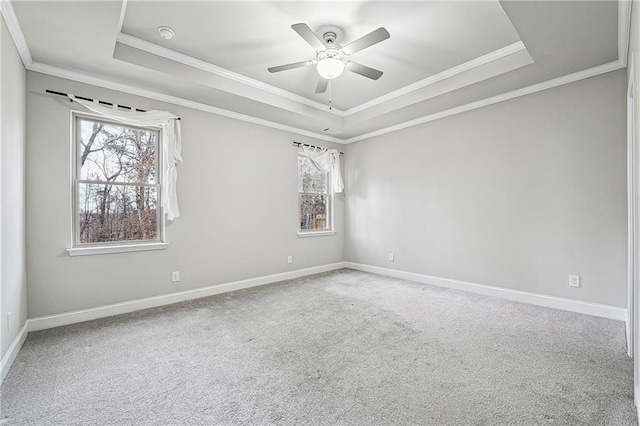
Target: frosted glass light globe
330	68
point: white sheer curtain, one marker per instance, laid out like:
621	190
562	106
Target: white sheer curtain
171	144
327	160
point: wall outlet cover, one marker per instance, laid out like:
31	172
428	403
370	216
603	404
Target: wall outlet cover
574	280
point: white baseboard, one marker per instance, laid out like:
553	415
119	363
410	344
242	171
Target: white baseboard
636	398
628	336
12	353
572	305
50	321
57	320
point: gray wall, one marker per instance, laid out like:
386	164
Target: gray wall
13	291
238	199
519	194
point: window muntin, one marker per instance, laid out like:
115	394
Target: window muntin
314	198
116	190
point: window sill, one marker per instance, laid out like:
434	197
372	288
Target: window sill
124	248
315	234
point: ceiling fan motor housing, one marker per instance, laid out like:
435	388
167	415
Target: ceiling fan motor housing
329	37
331	52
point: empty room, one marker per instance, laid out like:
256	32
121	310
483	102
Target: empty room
317	212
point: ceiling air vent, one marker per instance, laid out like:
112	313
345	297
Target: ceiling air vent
331	131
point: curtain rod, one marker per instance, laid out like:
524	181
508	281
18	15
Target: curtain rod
53	92
312	146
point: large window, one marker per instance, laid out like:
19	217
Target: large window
314	198
116	184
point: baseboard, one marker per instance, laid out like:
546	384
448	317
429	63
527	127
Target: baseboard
57	320
12	353
572	305
636	398
628	337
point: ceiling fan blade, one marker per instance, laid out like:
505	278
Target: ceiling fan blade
322	85
310	37
363	42
363	70
290	66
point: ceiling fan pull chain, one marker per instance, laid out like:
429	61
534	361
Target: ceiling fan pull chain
330	107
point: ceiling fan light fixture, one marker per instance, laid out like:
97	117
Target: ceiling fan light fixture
330	68
331	58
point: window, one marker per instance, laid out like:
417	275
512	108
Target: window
116	184
314	198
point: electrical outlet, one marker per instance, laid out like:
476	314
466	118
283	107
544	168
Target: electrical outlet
175	276
574	280
391	257
289	259
9	321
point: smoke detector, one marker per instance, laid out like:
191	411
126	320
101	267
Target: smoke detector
166	33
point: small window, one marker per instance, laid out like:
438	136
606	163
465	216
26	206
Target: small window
314	197
116	184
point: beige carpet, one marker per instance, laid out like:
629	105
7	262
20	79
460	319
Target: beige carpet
341	348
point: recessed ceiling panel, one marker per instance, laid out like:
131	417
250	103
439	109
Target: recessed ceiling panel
248	37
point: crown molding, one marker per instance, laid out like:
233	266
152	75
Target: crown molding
16	32
190	61
549	84
6	8
624	29
448	73
123	12
108	84
133	90
221	72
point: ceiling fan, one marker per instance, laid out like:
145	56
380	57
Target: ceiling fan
331	58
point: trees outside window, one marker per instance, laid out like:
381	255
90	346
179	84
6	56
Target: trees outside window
314	197
116	189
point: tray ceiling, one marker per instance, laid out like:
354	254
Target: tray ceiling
441	55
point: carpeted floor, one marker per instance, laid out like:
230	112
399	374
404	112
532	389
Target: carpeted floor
341	348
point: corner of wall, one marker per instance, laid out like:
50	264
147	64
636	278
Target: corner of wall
13	283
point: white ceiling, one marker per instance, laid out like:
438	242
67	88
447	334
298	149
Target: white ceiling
442	56
260	36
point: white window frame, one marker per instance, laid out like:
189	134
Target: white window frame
83	249
303	233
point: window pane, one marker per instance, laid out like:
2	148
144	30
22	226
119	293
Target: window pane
114	212
313	212
112	153
310	179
